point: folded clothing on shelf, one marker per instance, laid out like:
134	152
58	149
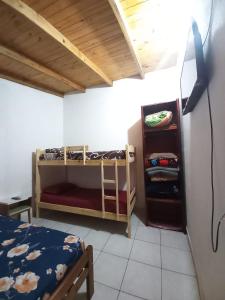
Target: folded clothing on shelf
164	162
162	155
159	119
162	170
161	160
163	177
162	189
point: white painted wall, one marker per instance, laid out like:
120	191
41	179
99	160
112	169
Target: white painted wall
29	119
108	118
210	266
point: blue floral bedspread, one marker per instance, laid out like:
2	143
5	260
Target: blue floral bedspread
33	259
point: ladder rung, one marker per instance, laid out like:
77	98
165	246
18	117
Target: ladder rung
109	181
110	197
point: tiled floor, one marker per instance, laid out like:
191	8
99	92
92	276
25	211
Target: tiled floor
153	265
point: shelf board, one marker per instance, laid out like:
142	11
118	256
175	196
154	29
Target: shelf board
164	200
167	226
170	128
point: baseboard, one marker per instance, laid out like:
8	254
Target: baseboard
202	297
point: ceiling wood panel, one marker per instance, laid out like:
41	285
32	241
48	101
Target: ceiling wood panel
91	27
154	26
11	68
44	25
88	21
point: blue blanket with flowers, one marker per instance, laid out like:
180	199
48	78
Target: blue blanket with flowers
33	259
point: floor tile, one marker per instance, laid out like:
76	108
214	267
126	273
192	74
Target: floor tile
177	286
95	254
134	220
97	238
58	226
36	221
114	227
147	253
44	222
177	260
148	234
109	270
124	296
80	231
24	217
142	281
174	239
118	245
100	293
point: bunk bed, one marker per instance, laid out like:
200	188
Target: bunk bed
42	263
102	203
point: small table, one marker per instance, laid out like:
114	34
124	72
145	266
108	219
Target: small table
10	207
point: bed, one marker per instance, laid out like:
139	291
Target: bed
106	203
41	263
74	196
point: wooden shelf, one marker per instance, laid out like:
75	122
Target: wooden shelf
167	226
163	211
170	128
172	201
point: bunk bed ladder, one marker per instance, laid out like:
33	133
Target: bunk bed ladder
110	181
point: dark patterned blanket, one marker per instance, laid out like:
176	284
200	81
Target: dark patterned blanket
115	154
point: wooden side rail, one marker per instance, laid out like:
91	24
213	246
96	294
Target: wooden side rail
37	183
83	149
83	269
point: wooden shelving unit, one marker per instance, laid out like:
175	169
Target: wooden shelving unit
167	212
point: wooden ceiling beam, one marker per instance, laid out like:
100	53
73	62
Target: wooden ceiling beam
48	28
34	65
120	16
29	83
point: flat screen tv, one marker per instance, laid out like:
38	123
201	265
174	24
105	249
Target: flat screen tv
194	78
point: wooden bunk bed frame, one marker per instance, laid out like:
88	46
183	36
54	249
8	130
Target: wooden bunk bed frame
130	193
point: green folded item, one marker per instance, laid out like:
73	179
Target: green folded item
159	119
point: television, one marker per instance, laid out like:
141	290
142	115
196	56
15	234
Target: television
193	80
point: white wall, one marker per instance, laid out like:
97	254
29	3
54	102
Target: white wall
210	266
29	119
108	118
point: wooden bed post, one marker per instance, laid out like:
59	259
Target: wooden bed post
128	192
103	189
37	183
65	155
117	190
84	154
90	276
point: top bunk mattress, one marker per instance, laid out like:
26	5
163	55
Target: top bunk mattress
58	154
34	259
114	154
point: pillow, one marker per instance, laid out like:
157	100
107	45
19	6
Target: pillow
159	119
59	188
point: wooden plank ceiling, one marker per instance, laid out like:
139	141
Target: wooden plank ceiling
62	46
156	27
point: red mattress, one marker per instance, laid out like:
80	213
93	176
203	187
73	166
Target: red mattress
87	198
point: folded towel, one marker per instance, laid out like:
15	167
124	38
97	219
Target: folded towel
162	155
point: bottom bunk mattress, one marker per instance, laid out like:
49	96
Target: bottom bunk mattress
71	195
33	259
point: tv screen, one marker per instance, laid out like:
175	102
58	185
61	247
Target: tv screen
193	79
